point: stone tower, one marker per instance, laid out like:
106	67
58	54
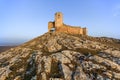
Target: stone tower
84	31
58	19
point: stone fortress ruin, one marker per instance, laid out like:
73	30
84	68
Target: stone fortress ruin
59	26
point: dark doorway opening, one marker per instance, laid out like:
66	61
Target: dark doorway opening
52	30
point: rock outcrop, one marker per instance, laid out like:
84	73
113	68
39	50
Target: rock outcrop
60	56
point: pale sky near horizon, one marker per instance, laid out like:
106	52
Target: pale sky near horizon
23	20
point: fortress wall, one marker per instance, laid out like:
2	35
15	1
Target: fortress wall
73	29
68	29
62	29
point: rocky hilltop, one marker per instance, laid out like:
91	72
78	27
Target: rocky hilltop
60	56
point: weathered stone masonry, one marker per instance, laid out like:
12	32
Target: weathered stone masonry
59	26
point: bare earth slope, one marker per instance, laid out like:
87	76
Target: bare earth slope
64	57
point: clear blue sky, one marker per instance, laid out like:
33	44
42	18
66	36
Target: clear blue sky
22	20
